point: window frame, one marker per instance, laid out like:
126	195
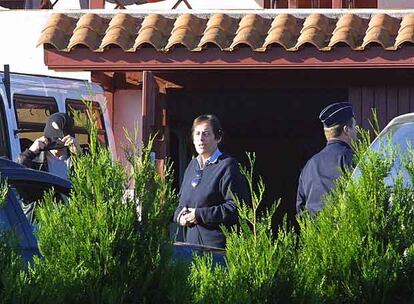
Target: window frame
81	130
4	132
33	99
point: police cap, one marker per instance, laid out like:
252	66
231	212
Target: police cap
336	113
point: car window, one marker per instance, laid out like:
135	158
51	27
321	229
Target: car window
30	194
401	137
32	113
79	112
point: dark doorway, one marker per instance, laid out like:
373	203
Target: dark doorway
281	126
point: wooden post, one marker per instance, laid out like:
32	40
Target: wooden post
293	3
96	4
336	3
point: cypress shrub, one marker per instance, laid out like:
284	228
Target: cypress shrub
358	249
98	248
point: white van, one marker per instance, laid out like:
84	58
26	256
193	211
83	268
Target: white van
33	98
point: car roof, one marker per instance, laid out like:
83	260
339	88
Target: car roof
409	117
401	119
16	172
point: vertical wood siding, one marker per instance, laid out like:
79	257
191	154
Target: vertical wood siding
388	102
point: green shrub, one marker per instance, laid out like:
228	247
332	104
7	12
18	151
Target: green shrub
96	249
358	249
258	264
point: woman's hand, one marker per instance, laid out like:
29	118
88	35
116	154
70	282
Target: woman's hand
190	217
181	219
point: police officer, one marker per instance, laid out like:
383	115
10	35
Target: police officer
320	172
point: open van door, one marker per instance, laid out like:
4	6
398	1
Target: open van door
4	137
154	117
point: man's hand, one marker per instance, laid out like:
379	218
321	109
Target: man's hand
72	143
39	144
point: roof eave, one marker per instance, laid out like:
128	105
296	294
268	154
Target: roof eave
242	58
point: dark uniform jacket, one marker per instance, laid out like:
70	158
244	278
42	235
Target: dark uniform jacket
212	199
32	160
319	175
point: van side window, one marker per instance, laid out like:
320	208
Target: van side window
31	116
4	143
79	112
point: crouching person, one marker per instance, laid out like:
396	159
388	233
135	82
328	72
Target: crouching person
206	200
52	152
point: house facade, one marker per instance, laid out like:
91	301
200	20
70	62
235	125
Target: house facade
266	73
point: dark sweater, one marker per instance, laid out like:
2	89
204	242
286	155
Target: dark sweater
212	199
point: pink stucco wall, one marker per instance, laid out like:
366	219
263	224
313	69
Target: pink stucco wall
127	113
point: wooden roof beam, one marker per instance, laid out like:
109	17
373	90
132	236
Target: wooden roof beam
82	59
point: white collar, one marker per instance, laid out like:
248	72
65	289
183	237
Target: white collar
211	160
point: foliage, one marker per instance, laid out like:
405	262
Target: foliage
3	191
97	248
110	245
358	249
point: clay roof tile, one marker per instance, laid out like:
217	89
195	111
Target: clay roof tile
284	31
150	36
227	32
316	31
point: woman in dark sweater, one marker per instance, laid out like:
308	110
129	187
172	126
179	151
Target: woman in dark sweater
206	200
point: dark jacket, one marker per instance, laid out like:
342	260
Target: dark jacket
212	199
319	175
32	160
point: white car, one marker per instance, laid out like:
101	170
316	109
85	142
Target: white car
400	134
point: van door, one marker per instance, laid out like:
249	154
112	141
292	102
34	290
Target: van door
154	117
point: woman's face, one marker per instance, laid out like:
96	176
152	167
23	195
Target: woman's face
204	140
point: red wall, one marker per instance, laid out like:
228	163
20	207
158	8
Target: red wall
389	101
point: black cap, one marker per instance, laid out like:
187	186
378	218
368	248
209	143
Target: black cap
59	125
336	113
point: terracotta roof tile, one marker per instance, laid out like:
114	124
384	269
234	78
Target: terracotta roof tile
154	31
57	31
316	31
187	32
121	32
89	32
260	32
284	31
349	30
219	31
252	32
406	31
382	30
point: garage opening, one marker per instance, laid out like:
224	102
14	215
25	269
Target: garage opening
280	125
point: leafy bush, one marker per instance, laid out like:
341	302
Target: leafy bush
258	264
359	248
108	247
96	249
